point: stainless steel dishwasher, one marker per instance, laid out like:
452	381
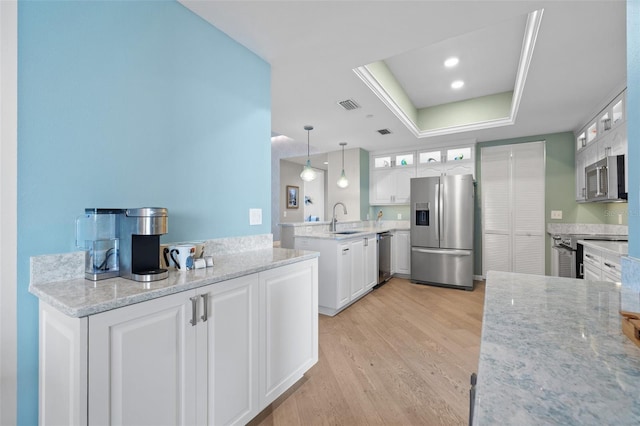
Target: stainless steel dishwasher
384	256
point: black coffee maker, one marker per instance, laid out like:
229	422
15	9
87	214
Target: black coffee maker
139	232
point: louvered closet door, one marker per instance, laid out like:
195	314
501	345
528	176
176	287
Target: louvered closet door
528	208
512	191
495	189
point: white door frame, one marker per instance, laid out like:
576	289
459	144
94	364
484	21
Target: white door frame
8	209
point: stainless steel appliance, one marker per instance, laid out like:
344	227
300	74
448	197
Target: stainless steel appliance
563	259
139	231
442	230
570	249
605	179
384	256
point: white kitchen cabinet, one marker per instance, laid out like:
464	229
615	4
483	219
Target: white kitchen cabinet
142	366
391	186
358	271
62	374
447	161
604	135
343	281
215	355
592	262
346	269
289	328
401	248
150	363
228	346
600	265
371	262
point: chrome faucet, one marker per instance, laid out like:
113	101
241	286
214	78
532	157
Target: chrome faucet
332	227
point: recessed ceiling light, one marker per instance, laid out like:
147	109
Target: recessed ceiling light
457	84
451	62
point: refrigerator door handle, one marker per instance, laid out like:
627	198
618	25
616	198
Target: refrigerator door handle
441	212
436	214
442	251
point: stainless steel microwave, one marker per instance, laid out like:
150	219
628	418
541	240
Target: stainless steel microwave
605	180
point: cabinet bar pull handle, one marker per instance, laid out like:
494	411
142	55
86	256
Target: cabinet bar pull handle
610	265
205	302
194	311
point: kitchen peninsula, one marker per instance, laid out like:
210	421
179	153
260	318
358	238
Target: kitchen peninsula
552	352
205	346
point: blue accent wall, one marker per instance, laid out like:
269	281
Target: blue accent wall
132	104
633	125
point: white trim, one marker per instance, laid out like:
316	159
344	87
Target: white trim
530	35
8	207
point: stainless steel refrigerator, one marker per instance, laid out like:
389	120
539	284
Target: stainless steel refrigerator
442	230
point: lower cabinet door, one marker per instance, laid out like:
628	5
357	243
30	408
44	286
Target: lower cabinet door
228	350
371	262
289	326
358	275
141	364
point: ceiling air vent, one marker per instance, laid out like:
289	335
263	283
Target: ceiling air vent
349	104
384	131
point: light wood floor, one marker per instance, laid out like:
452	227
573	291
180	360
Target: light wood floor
402	355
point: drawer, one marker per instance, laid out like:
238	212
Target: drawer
611	266
592	257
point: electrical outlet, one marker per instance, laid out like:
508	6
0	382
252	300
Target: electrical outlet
556	214
284	214
255	216
399	216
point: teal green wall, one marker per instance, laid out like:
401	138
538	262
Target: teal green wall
559	190
390	212
388	81
470	111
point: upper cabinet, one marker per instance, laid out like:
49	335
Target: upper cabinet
391	173
604	135
447	161
391	177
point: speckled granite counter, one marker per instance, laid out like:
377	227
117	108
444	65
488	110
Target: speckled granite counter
321	229
552	352
79	297
616	248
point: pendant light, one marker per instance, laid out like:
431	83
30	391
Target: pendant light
308	174
342	180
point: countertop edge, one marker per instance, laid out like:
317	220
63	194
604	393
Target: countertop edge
38	290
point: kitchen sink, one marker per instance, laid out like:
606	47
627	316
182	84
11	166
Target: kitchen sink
345	232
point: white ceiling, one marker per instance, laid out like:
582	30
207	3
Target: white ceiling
579	61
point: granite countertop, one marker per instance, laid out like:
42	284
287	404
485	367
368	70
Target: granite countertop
322	232
587	229
617	248
80	297
553	352
328	235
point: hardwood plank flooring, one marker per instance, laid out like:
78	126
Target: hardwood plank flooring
402	355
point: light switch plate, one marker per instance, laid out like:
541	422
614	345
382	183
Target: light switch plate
255	216
556	214
399	216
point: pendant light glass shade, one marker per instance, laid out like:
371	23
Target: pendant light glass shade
343	182
308	173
